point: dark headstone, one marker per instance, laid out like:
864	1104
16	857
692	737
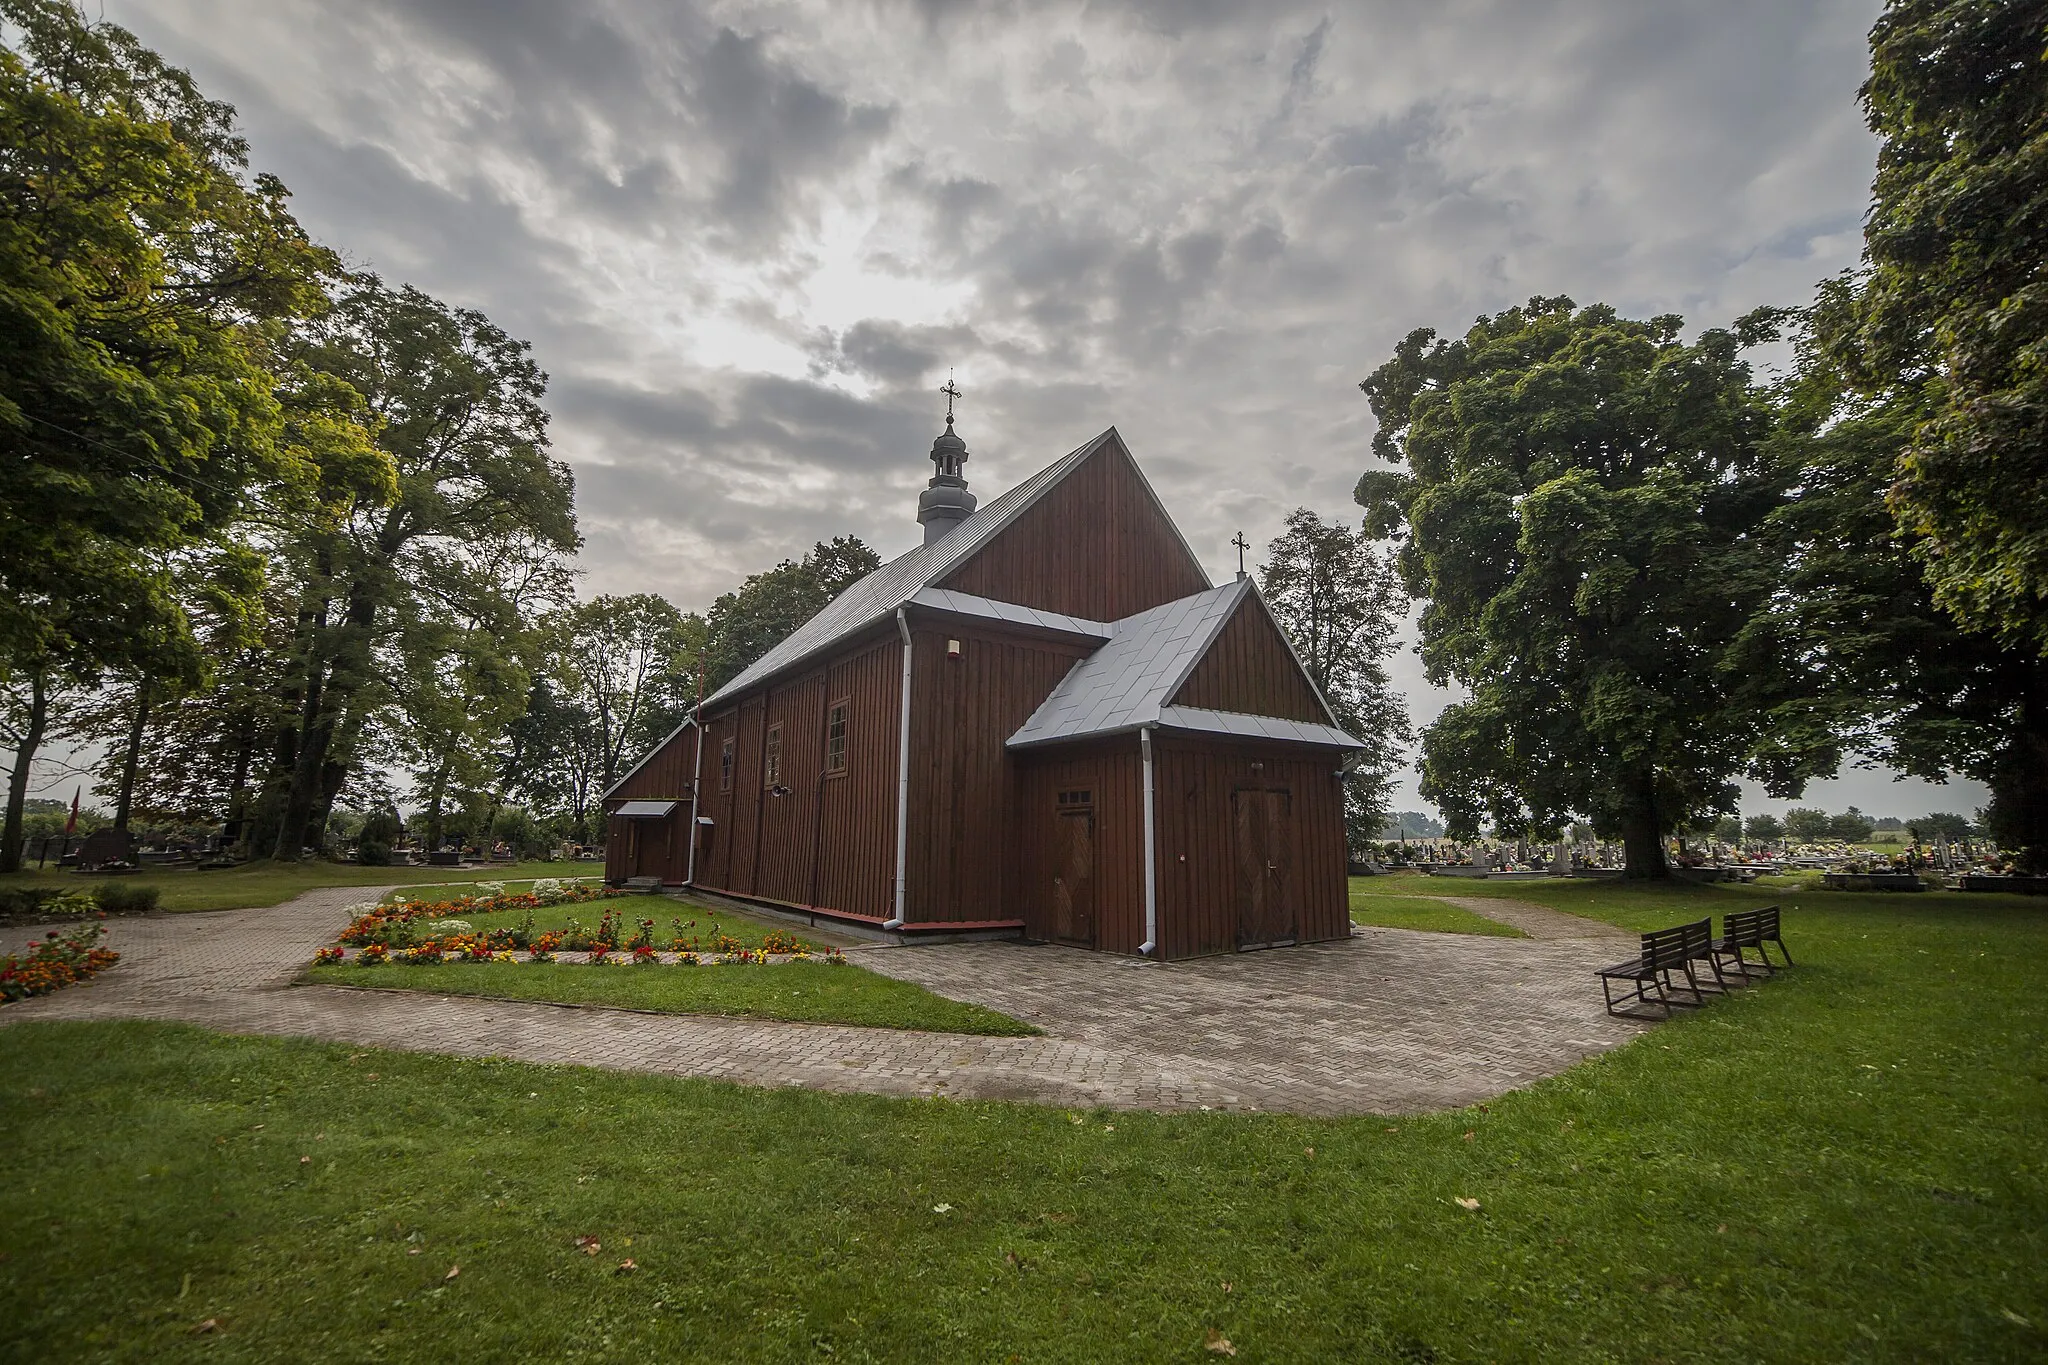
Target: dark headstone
107	846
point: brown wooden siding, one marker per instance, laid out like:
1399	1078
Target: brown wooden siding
1197	871
1249	668
825	841
665	775
1095	546
1112	772
961	863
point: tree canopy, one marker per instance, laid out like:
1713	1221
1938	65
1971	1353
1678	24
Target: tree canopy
1580	508
747	622
1948	316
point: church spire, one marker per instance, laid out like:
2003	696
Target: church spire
945	502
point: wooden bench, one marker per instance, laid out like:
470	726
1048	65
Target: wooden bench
1664	952
1746	929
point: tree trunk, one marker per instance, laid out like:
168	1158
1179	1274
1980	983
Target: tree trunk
2019	792
124	802
1642	833
17	782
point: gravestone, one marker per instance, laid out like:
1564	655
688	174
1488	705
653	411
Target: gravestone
104	846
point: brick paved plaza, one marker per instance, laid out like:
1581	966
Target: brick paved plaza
1391	1021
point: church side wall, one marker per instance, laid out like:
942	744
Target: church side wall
1096	546
963	825
813	838
1112	773
1193	784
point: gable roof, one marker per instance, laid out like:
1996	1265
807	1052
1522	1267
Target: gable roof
1123	684
1131	680
874	598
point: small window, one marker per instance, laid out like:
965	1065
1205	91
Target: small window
725	766
771	764
1077	798
835	738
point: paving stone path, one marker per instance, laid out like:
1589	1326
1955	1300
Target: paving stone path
1390	1021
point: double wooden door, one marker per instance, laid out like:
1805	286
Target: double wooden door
1262	828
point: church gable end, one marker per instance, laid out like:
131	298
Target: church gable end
1096	545
1249	668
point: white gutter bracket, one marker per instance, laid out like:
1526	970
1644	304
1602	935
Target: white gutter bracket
902	776
1151	943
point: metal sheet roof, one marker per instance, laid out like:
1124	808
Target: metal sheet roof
1011	613
646	809
877	596
1254	727
1124	684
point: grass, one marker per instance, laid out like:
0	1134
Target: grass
261	884
809	992
1842	1164
1420	912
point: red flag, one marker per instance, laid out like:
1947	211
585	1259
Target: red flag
71	825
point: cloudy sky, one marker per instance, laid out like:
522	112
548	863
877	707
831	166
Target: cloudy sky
747	240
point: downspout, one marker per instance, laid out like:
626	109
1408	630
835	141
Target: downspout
1151	943
902	776
696	784
696	774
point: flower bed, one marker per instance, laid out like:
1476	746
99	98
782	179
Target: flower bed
54	961
433	952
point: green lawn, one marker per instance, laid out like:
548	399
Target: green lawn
1842	1164
810	992
1419	912
259	884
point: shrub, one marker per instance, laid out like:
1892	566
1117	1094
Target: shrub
26	902
373	853
126	898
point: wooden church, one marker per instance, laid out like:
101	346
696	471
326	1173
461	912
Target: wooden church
1043	720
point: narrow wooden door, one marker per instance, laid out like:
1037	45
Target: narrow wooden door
1073	882
1264	838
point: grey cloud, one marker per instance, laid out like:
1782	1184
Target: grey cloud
745	238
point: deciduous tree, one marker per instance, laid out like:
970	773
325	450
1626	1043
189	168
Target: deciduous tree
1581	506
1340	602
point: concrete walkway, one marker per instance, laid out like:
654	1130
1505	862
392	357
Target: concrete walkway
1391	1021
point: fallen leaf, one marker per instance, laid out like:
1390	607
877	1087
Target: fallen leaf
1468	1135
1228	1286
1393	1130
589	1246
2013	1317
1218	1343
210	1325
1311	1152
942	1208
453	1271
1469	1205
626	1267
412	1251
1722	1228
305	1161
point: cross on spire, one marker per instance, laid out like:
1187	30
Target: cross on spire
952	392
1242	545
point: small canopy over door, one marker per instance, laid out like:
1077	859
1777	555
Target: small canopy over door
646	810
